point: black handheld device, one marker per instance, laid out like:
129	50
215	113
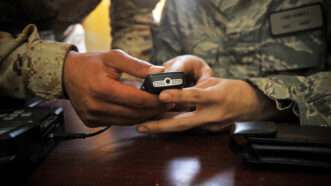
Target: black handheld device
155	83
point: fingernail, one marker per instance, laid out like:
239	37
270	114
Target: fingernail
142	129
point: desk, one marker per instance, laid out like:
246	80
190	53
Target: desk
121	157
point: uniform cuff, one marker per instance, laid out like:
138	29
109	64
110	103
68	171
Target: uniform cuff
38	65
45	75
280	91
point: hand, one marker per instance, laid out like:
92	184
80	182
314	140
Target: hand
192	65
217	100
196	69
92	82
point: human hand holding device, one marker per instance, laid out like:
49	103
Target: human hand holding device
92	82
217	100
155	83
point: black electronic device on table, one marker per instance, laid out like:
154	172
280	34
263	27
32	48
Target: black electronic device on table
267	143
155	83
24	137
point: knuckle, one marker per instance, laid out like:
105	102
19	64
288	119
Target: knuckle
209	71
116	52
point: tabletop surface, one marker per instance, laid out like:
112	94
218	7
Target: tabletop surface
121	157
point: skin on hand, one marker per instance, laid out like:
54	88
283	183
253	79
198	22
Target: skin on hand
92	82
189	64
217	100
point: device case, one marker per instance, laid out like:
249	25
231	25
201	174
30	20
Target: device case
282	144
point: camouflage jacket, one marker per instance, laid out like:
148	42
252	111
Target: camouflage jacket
54	15
234	37
30	66
131	29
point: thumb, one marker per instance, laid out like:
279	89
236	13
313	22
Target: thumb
123	62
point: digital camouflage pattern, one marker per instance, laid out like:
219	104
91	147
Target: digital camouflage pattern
231	35
31	66
131	23
234	37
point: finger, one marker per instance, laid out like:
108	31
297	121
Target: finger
178	123
105	109
187	95
114	91
205	72
123	62
206	83
98	121
218	127
191	65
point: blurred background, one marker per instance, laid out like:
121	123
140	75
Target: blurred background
97	26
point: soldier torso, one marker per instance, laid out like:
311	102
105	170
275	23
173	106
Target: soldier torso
235	38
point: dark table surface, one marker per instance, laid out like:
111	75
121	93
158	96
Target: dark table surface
121	157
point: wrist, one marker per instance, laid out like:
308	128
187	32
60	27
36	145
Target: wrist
68	63
266	106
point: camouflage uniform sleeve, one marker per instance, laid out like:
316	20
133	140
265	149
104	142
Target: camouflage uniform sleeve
309	97
30	66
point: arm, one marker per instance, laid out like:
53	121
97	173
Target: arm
30	66
308	97
219	101
303	92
